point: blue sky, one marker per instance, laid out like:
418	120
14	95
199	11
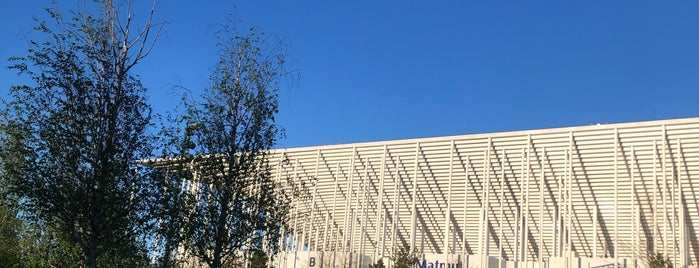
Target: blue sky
382	70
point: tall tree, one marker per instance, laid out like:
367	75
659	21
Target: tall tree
10	227
235	204
72	137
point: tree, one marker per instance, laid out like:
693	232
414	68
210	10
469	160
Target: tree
378	264
9	236
171	212
72	138
258	259
234	206
658	260
403	258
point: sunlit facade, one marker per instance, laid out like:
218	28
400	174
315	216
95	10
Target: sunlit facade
589	196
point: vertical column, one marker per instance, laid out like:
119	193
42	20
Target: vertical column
557	230
674	209
594	232
360	212
346	235
334	211
557	211
562	210
483	242
463	228
541	209
525	216
634	220
380	218
295	230
365	212
296	209
447	216
518	218
486	214
654	207
664	192
502	204
355	214
282	246
680	195
325	233
616	197
313	206
518	210
569	197
394	220
276	184
413	208
482	214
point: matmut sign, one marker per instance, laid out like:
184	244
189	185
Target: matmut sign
438	264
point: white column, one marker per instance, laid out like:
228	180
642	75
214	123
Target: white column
360	209
394	219
325	233
674	211
518	212
295	231
634	220
616	198
463	228
569	198
569	211
484	203
525	216
541	209
413	208
654	208
680	195
380	218
314	207
334	212
346	235
365	208
664	191
483	242
447	216
594	233
557	211
502	204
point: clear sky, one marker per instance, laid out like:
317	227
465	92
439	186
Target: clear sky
383	70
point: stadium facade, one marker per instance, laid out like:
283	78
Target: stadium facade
590	196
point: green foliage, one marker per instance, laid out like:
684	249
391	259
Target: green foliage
258	260
658	260
44	247
70	142
403	258
10	254
232	202
378	264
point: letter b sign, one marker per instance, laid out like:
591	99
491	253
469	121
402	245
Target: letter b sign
312	262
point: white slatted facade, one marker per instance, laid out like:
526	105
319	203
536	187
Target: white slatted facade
595	191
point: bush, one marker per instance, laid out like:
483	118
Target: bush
378	264
658	261
403	258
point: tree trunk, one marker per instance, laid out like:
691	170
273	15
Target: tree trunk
216	262
91	258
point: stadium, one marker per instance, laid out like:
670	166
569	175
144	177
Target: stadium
607	195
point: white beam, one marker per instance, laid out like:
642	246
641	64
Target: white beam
413	205
447	214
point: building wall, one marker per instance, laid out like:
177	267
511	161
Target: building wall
598	191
